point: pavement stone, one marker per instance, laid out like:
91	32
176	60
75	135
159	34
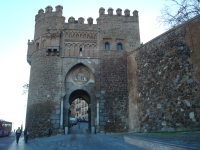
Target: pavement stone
78	139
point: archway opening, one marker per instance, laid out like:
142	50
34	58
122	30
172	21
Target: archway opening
79	114
79	108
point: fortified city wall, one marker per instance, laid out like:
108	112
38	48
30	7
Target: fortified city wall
114	30
163	81
154	87
59	49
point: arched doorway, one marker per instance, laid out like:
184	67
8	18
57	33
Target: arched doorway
78	96
80	83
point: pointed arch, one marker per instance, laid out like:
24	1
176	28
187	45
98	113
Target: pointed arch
79	61
84	36
44	43
76	50
76	35
95	36
70	35
95	47
79	34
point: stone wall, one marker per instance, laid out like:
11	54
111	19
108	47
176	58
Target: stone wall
118	29
58	49
43	108
45	21
114	101
39	117
164	84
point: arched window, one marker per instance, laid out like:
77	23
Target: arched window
119	46
107	46
37	46
80	53
44	44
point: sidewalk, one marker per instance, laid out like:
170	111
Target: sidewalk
168	140
75	142
115	141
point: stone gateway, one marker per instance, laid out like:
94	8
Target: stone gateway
128	87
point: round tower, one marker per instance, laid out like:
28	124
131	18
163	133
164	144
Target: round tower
43	107
48	20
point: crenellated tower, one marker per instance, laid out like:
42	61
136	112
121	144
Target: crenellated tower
45	21
80	59
118	29
48	26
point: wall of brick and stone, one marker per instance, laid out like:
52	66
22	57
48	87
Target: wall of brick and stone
118	29
163	81
47	20
114	100
43	108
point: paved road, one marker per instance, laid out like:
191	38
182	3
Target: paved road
78	139
6	141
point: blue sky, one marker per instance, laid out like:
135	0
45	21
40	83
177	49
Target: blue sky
17	26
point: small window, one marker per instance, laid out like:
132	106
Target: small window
107	46
80	52
119	46
37	46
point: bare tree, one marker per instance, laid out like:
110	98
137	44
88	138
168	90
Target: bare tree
176	12
25	86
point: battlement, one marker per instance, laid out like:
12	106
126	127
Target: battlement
59	10
118	12
30	42
81	20
49	12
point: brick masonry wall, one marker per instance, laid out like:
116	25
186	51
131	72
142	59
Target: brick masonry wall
118	29
114	105
48	21
166	97
43	109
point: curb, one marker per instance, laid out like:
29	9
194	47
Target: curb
157	144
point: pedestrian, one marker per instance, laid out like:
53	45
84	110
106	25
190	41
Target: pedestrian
26	133
18	134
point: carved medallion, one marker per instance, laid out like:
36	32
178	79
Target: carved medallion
81	76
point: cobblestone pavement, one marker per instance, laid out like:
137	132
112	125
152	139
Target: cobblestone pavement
78	139
191	137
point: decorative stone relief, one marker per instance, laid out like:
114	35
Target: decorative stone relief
81	35
71	45
79	49
80	76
